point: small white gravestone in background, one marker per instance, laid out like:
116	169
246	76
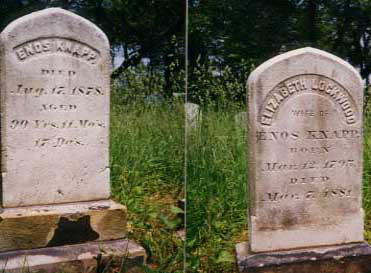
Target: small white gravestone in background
305	152
55	84
193	114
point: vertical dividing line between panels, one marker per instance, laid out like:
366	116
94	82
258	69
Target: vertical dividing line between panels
185	131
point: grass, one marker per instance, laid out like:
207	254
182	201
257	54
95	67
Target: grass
367	175
147	159
147	145
216	188
147	169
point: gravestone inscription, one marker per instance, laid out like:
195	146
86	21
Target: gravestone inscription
54	84
305	152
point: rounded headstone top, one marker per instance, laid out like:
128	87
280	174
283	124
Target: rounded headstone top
45	22
305	152
297	53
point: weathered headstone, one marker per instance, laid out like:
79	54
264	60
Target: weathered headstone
179	97
55	90
305	142
55	110
193	114
305	152
154	99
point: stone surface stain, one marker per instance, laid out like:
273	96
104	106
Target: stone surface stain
73	232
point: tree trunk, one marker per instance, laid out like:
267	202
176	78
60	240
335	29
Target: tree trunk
339	42
312	27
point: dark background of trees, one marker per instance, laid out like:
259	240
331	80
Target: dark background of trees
238	34
242	34
257	30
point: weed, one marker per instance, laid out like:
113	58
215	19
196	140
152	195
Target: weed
216	188
147	159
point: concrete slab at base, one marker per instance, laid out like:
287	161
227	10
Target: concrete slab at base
350	258
81	258
64	224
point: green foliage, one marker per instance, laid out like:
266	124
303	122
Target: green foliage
218	88
367	174
142	28
147	159
135	84
232	30
142	84
216	192
216	188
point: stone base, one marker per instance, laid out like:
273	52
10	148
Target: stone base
81	258
350	258
64	224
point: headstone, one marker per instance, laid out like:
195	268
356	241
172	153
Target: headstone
55	83
55	90
154	99
179	97
193	114
305	152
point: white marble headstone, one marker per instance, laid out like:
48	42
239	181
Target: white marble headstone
55	85
305	152
193	114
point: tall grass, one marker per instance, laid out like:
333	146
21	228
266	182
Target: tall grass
216	188
147	159
367	174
